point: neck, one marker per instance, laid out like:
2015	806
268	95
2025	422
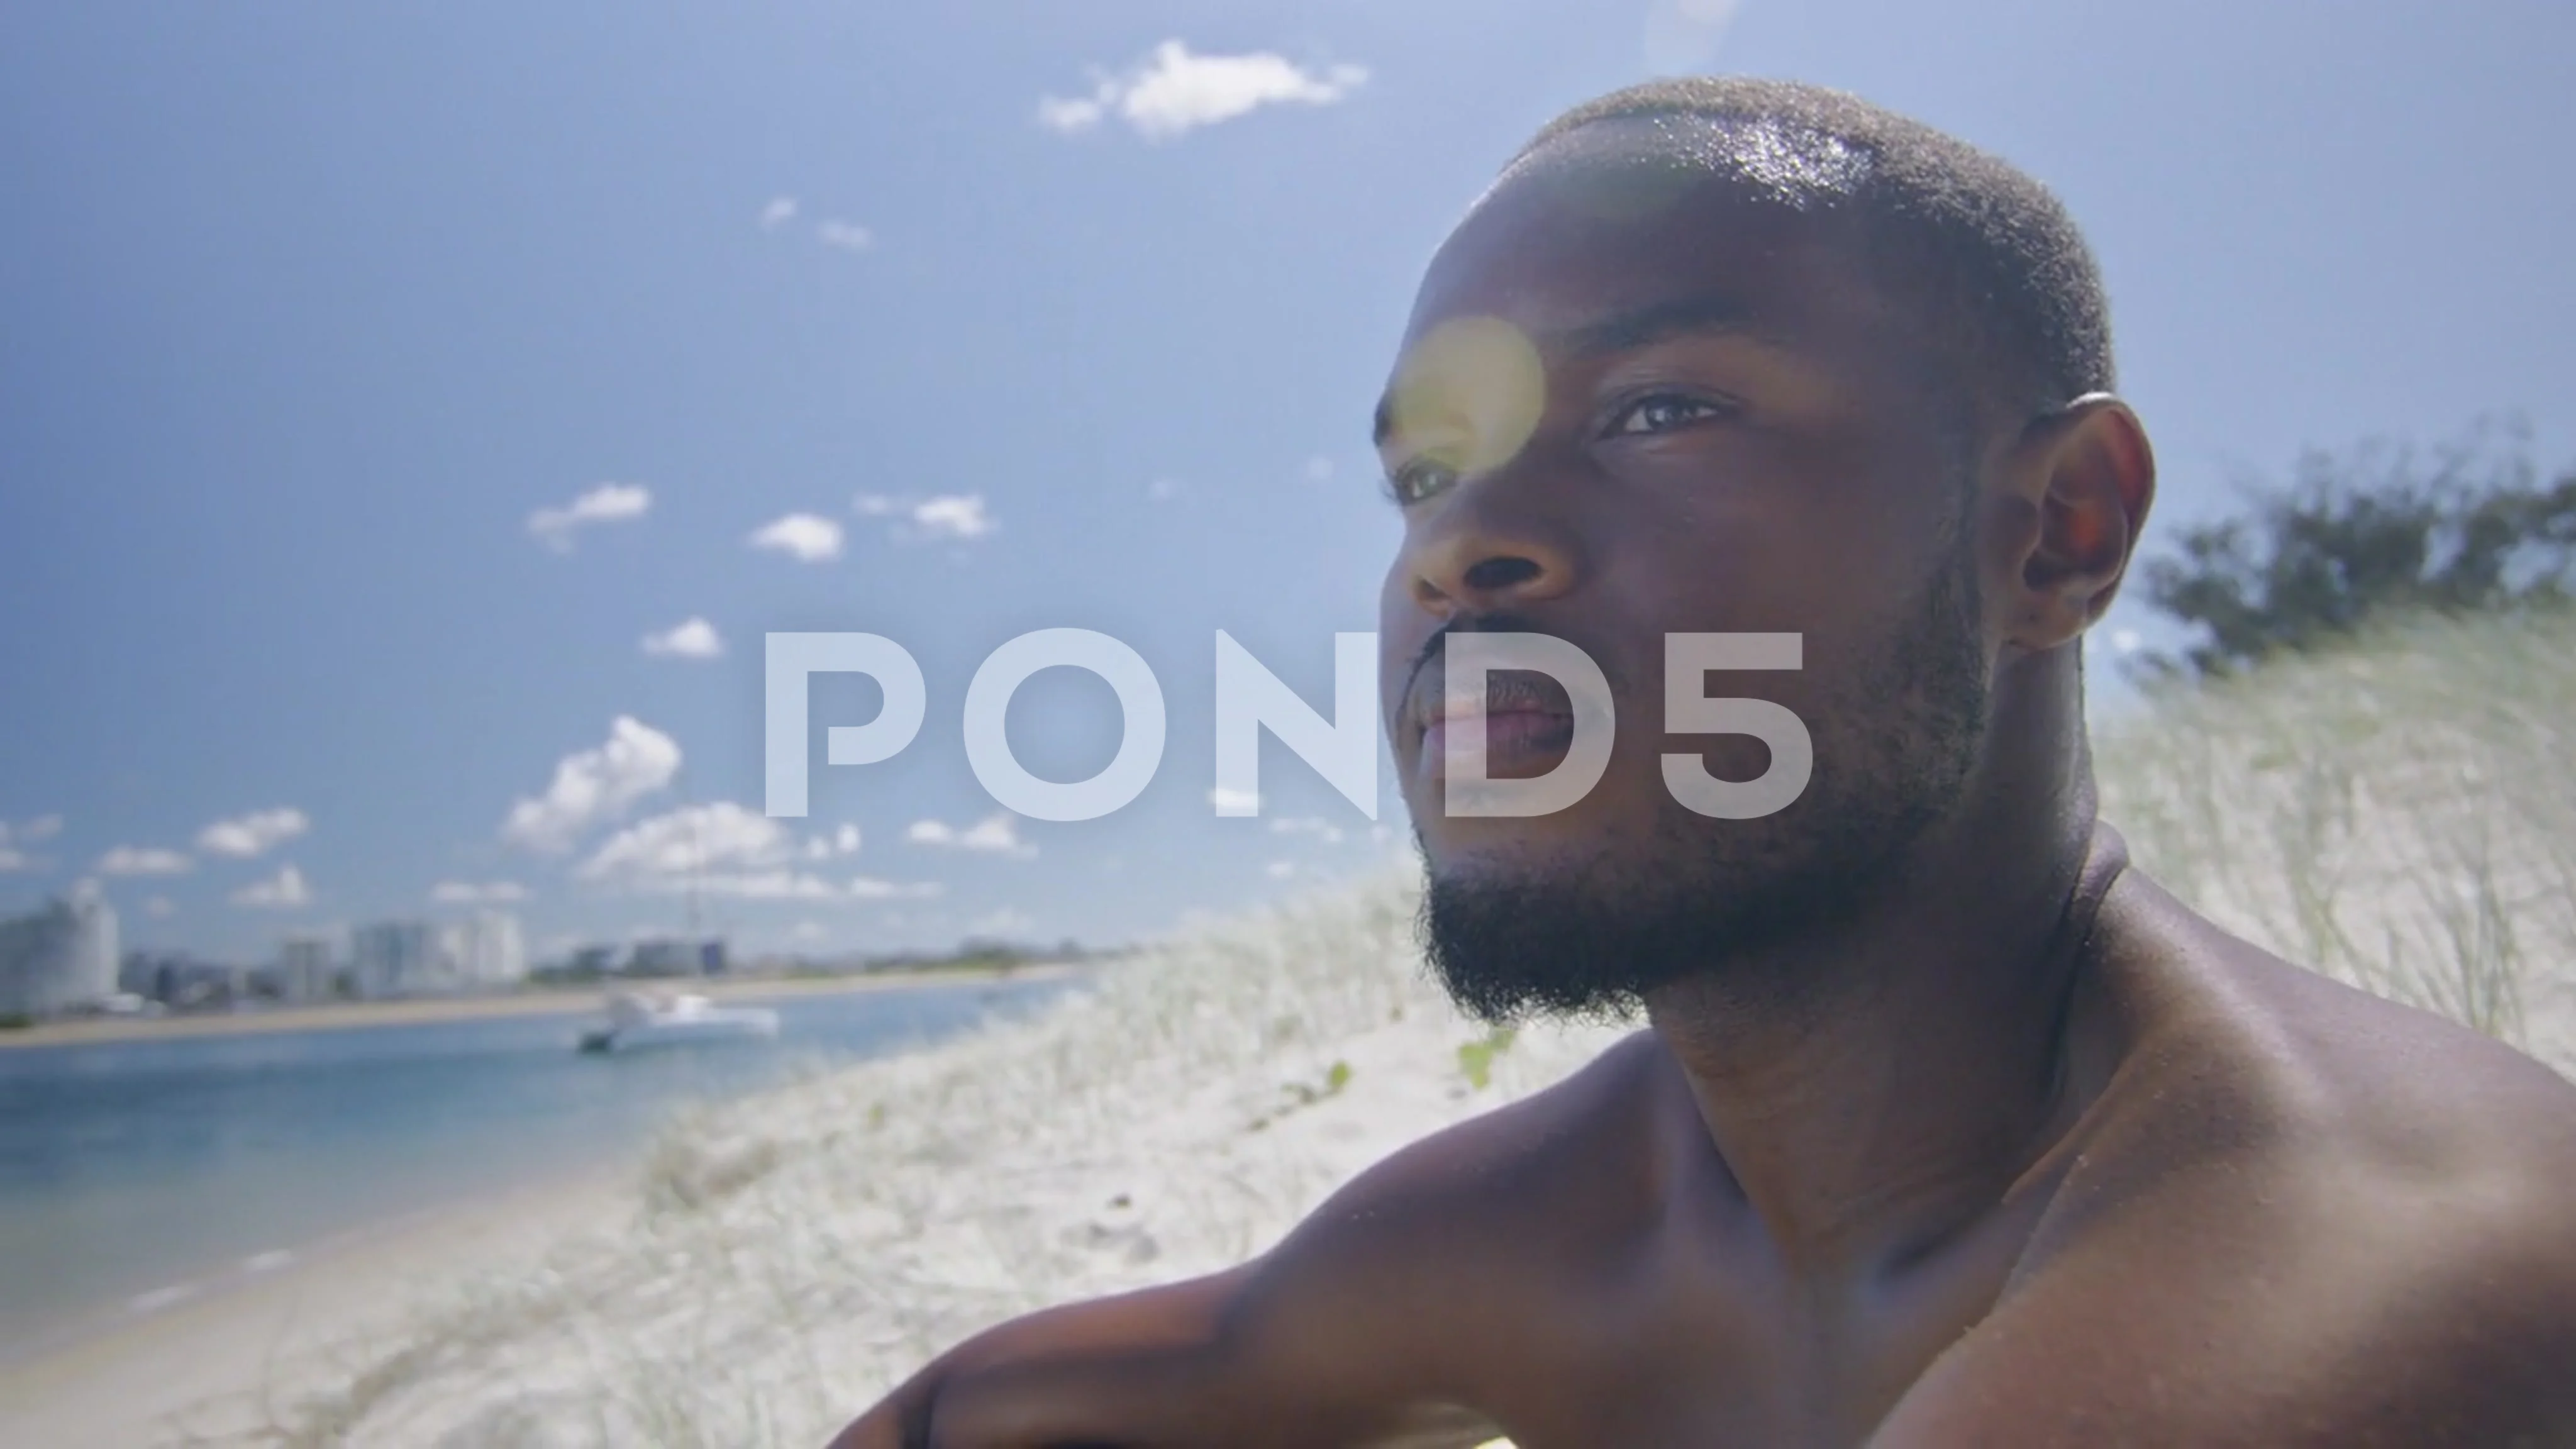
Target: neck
1923	1072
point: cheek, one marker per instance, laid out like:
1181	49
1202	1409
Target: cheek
1786	575
1401	633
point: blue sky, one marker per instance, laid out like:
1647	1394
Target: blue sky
1055	315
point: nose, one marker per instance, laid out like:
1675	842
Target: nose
1496	546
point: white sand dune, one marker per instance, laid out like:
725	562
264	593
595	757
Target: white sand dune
2404	815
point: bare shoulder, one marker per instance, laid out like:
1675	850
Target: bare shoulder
1501	1170
1361	1326
2237	1055
2296	1214
1405	1284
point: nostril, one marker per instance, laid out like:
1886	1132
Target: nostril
1495	574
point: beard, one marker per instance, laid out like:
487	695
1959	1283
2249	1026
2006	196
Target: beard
1710	900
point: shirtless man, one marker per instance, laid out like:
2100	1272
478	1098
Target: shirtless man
1948	1130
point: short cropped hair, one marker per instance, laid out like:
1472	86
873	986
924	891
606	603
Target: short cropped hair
1993	253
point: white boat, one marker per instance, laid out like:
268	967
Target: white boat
639	1019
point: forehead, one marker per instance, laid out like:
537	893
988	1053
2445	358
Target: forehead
1595	227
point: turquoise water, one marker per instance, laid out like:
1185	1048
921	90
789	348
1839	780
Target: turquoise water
132	1172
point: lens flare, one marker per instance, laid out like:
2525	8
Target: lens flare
1469	394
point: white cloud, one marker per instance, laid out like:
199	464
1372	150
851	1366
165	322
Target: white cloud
767	885
1225	799
26	832
844	841
1316	826
255	834
848	236
866	888
780	211
607	503
1163	490
694	839
953	517
1080	114
144	860
1175	91
693	638
723	849
2127	641
471	893
160	907
995	835
283	891
1280	869
1319	469
591	787
804	537
950	516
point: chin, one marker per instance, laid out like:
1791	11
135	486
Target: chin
1534	922
1584	839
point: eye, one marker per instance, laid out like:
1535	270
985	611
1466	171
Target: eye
1418	479
1662	412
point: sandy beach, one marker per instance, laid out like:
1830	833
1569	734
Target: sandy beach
201	1367
567	1001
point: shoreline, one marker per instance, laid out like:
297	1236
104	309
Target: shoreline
200	1367
552	1001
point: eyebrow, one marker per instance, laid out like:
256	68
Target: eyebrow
1641	327
1660	322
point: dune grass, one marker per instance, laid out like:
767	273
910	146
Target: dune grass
2398	813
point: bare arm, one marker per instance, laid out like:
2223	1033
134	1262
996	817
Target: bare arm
1368	1326
969	1394
1189	1364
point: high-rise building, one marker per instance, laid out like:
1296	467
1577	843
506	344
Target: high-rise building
304	968
488	950
663	956
60	957
176	978
676	956
144	973
397	958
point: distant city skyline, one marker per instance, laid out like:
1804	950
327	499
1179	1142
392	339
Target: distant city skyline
414	421
60	957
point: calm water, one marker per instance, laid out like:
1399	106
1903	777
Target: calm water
130	1171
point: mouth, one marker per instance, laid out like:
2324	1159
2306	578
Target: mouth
1528	725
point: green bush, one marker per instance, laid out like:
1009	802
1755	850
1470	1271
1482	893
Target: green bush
2372	532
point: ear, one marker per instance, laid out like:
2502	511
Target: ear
2063	520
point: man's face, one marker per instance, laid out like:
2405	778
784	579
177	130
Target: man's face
1624	411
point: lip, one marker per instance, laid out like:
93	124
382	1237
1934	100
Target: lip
1529	724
